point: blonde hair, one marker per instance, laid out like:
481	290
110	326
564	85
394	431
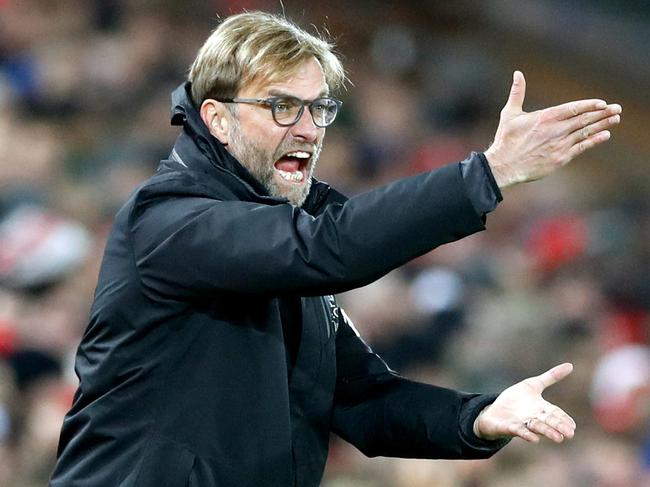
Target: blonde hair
255	46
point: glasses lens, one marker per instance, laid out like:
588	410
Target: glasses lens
323	111
287	110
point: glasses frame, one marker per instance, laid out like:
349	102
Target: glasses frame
274	101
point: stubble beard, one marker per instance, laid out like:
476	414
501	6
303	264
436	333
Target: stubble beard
259	162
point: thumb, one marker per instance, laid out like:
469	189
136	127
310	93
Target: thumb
552	376
517	92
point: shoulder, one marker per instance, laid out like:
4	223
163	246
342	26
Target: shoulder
170	196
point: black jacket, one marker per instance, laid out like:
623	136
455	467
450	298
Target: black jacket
188	375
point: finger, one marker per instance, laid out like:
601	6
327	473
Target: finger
553	375
517	92
561	422
520	430
571	109
594	128
588	118
589	143
541	428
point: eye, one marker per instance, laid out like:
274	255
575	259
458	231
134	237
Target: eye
281	106
325	105
286	104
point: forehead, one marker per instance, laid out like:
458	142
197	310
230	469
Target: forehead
306	81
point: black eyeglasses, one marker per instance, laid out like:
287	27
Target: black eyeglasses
287	110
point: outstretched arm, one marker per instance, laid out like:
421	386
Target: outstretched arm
528	146
521	411
384	414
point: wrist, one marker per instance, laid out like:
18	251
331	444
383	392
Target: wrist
498	168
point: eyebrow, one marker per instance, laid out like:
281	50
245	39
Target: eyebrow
274	92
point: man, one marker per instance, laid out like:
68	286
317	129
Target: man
216	353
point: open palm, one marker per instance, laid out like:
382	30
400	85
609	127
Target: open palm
521	411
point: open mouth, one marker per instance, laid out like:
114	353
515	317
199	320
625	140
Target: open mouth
292	167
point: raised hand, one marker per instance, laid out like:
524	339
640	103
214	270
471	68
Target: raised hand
521	411
528	146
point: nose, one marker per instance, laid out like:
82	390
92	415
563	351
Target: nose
305	128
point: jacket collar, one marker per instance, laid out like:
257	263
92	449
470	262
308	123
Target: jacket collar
198	150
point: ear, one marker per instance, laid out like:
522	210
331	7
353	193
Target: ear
216	117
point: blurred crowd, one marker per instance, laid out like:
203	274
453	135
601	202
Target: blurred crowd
560	275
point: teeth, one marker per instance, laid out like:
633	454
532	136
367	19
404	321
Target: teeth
291	176
299	154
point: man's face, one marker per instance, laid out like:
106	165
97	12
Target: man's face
281	158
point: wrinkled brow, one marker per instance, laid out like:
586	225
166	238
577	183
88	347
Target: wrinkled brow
277	92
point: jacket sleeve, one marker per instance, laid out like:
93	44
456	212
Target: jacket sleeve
384	414
189	246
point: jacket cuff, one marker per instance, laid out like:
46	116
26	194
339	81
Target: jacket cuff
488	172
469	412
481	187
